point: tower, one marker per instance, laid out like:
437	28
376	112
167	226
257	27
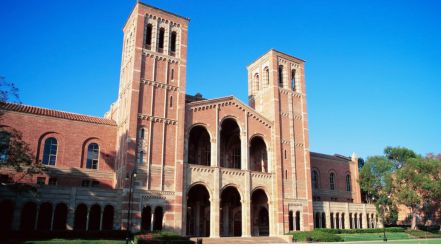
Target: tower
150	112
276	89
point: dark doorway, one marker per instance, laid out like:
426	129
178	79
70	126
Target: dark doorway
198	211
60	217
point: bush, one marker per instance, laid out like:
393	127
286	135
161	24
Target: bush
352	231
316	236
161	238
21	236
423	234
433	228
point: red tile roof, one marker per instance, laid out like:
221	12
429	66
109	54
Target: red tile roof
54	113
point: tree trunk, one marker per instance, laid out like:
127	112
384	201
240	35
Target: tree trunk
414	218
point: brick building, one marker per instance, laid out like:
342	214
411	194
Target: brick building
200	167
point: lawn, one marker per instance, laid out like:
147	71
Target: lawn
374	236
76	241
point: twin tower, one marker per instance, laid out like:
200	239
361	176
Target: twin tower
155	119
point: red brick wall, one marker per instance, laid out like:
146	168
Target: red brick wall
73	138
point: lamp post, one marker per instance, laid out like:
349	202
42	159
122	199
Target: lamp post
129	217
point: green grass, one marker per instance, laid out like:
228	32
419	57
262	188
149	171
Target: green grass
374	236
76	241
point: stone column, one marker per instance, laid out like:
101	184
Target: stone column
152	218
335	221
87	218
52	218
320	224
71	209
341	221
328	215
246	218
364	219
36	217
214	204
101	219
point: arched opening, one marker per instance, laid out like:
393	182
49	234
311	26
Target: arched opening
60	217
298	221
360	221
94	218
256	82
293	79
80	217
108	217
198	211
199	146
342	221
323	220
372	221
45	217
173	43
258	155
230	152
332	221
266	75
161	40
337	221
146	219
6	215
148	36
290	221
230	212
259	213
315	179
28	216
317	220
157	219
280	76
332	181
350	221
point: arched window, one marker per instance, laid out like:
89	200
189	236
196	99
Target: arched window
256	82
172	74
280	75
315	180
348	183
332	181
173	43
141	133
148	36
171	101
92	156
50	151
266	74
141	157
293	79
5	138
161	40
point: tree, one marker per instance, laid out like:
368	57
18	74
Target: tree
418	183
14	151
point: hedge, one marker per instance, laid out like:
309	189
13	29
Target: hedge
161	238
21	236
315	236
369	230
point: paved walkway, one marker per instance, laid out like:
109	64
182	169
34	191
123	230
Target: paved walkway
242	240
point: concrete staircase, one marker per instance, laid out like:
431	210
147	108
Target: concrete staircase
246	240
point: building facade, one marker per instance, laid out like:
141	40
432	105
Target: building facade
199	167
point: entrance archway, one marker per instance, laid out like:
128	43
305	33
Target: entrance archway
80	217
230	212
6	215
157	219
198	211
199	146
45	217
146	219
108	217
94	218
28	216
230	151
259	213
258	155
60	217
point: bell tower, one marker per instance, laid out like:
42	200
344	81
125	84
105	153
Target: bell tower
150	113
276	89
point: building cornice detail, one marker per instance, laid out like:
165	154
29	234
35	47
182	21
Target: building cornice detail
160	56
157	119
160	85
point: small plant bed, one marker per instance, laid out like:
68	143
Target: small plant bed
315	236
161	238
369	230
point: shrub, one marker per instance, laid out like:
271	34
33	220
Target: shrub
352	231
316	236
433	228
161	238
21	236
423	234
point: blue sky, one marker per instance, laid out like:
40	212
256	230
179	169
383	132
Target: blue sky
373	68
